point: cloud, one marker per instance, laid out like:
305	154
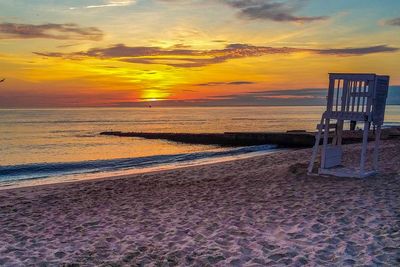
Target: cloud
272	10
275	10
306	92
110	3
67	31
68	45
393	22
120	50
189	58
358	51
225	83
50	54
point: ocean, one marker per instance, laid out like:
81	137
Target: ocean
51	145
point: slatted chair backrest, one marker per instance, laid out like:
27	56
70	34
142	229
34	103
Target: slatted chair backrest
351	94
379	103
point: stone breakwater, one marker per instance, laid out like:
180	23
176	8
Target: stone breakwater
291	139
294	140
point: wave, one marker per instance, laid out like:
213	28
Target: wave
43	170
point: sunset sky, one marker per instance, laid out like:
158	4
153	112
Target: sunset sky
122	53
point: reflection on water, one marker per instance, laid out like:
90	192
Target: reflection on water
69	135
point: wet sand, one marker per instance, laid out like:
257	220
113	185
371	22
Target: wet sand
261	211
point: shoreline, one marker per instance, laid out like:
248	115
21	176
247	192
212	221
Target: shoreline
257	211
99	176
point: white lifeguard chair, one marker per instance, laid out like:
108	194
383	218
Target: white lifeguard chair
354	98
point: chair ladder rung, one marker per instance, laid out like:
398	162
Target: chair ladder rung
330	126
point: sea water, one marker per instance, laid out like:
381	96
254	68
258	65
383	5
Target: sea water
46	143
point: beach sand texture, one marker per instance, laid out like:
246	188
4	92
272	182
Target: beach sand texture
261	211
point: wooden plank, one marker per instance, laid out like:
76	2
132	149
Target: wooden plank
337	94
333	157
384	77
365	96
357	116
371	92
353	76
344	95
315	149
359	96
346	172
353	99
331	90
348	97
379	105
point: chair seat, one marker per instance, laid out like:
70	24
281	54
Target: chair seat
353	116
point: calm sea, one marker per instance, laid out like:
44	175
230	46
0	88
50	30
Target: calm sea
42	143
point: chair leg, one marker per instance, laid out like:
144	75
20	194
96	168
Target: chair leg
376	148
325	143
315	149
340	132
364	147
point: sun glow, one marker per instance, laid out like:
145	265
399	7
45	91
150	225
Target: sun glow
205	50
154	95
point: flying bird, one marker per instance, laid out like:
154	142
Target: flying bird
2	80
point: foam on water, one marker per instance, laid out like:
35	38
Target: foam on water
43	170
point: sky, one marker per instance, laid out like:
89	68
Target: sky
121	53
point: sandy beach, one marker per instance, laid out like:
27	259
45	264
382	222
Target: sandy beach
261	211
